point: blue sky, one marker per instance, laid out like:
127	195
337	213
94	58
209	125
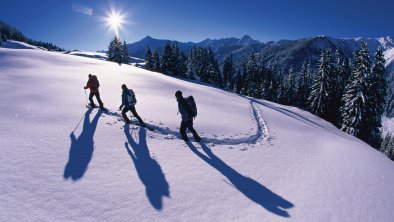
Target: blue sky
80	24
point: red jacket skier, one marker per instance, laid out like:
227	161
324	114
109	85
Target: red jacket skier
93	84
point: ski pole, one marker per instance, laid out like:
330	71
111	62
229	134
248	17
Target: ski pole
87	103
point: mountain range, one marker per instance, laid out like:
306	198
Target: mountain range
283	53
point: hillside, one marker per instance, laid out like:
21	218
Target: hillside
261	161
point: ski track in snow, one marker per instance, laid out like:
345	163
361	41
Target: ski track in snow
261	135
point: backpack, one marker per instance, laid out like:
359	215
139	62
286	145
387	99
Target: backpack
131	98
192	105
96	83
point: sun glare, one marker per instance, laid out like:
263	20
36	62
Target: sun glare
115	21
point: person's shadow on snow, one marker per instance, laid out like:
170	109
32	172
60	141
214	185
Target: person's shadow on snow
81	149
247	186
149	171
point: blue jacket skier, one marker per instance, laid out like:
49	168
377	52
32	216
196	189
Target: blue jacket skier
187	119
128	104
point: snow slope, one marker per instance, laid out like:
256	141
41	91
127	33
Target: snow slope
102	56
12	44
262	161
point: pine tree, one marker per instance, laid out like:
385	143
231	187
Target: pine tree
175	61
290	88
389	112
354	99
212	70
115	51
322	97
148	59
167	65
156	61
191	64
250	72
387	145
111	49
228	71
280	94
346	71
338	86
303	89
125	53
182	65
268	83
376	92
239	83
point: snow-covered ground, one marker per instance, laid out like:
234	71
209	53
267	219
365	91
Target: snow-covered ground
102	56
11	44
262	161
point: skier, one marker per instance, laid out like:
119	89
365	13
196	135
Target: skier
187	118
128	102
93	84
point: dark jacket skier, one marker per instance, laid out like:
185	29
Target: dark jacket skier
187	119
129	105
92	84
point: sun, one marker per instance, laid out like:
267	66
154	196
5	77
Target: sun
115	21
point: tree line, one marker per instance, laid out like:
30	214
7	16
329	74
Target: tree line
348	92
9	32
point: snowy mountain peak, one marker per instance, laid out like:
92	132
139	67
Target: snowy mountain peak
386	42
247	40
148	37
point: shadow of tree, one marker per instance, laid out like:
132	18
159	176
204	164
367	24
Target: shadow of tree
148	169
81	149
247	186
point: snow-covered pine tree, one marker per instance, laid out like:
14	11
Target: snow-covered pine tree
346	71
280	94
182	64
354	99
118	52
115	51
111	49
214	75
303	89
156	61
339	86
191	64
125	53
268	83
389	112
175	58
228	71
167	65
387	145
249	72
290	88
322	97
201	62
148	59
239	82
376	88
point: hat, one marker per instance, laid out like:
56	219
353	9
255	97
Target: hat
178	94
